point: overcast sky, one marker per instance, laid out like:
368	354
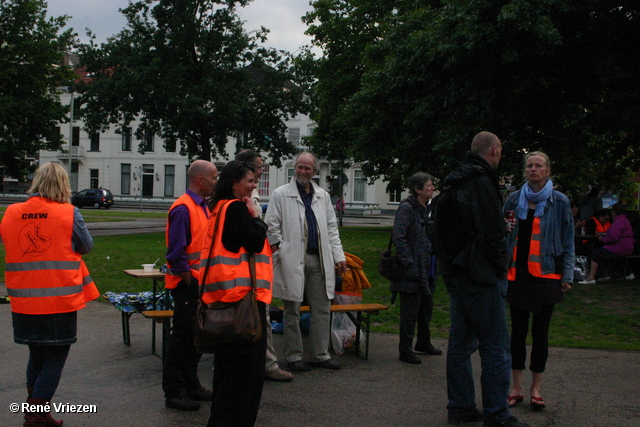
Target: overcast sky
282	17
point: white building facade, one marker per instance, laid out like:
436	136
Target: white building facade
112	160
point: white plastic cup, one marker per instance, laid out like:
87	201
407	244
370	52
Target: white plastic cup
148	268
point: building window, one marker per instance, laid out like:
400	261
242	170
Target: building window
170	145
395	196
148	142
359	186
75	139
93	178
125	178
126	139
294	136
263	184
95	142
169	180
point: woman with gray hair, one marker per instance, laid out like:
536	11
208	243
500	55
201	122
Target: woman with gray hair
414	251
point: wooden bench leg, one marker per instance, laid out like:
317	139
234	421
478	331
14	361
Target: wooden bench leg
359	321
126	335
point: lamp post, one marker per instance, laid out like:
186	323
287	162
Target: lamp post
138	172
70	90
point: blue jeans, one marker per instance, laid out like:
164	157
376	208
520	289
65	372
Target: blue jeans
478	322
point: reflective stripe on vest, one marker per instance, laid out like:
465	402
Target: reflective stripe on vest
43	265
197	228
535	259
89	289
228	277
43	274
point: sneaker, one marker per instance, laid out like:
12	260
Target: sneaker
327	364
201	394
587	282
278	375
473	417
182	403
630	277
510	422
410	357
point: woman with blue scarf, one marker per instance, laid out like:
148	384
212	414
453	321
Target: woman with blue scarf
540	239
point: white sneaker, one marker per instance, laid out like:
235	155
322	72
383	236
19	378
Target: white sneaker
604	279
587	282
630	277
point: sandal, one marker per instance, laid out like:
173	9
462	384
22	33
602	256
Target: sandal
537	402
515	399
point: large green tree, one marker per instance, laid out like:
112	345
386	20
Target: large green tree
32	47
558	75
190	73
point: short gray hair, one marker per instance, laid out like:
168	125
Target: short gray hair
316	162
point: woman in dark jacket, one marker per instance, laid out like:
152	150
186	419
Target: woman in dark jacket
414	250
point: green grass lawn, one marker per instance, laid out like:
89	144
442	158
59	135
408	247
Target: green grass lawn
605	316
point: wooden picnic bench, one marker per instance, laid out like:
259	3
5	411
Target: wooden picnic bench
359	320
163	316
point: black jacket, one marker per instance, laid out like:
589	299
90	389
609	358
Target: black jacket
470	227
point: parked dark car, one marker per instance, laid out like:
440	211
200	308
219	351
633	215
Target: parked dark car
96	197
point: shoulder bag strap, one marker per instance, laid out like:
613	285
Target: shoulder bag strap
252	270
213	236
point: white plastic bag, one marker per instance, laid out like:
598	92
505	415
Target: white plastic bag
343	330
581	270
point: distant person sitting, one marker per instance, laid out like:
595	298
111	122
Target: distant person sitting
598	224
618	242
577	222
594	226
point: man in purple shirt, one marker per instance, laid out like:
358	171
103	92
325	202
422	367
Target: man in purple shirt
186	228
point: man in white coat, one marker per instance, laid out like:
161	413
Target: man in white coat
307	254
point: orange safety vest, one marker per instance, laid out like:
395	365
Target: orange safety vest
43	273
198	225
227	277
600	228
534	264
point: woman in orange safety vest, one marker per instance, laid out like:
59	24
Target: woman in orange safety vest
540	239
238	374
47	281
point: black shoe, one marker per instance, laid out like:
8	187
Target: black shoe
298	366
410	357
182	403
473	417
429	349
327	364
201	394
511	422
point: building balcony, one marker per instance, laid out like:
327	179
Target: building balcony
77	152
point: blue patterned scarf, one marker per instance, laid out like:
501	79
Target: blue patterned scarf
527	195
